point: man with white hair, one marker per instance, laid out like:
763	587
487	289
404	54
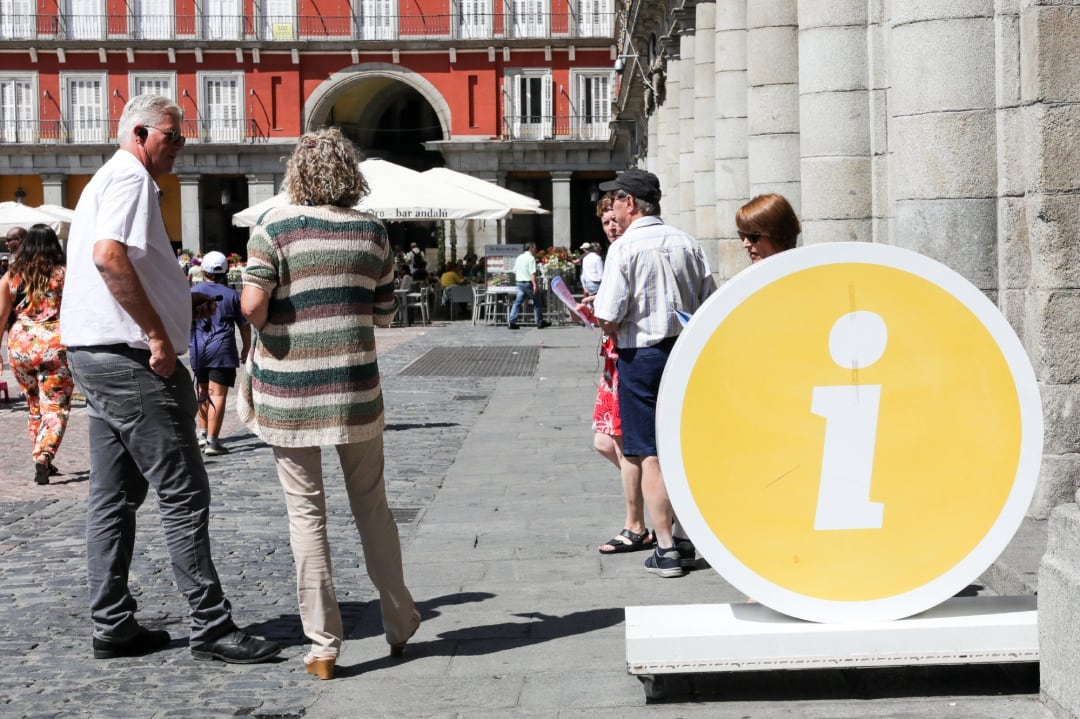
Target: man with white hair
125	315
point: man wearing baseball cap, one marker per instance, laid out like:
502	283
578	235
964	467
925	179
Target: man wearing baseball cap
653	271
592	268
213	353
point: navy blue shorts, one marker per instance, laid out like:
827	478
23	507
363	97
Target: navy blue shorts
640	370
225	376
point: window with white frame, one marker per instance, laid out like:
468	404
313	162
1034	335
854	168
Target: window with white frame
16	108
376	19
595	18
279	20
153	19
591	103
17	19
529	104
85	115
157	83
221	113
222	20
474	19
85	19
528	18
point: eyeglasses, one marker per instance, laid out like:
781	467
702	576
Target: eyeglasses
752	236
175	136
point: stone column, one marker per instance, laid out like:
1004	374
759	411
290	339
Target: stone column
834	125
704	155
687	150
943	170
1050	97
670	145
54	189
772	65
729	135
261	186
190	212
560	208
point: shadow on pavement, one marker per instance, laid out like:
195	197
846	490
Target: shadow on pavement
493	638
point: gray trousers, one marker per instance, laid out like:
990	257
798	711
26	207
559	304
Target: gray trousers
142	434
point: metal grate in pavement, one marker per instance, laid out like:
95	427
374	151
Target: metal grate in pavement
513	361
405	515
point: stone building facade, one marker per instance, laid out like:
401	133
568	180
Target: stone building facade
948	128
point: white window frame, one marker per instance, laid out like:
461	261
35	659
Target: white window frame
82	130
278	19
591	116
152	27
222	23
19	129
168	79
595	18
474	19
376	19
82	26
528	18
221	130
18	19
525	124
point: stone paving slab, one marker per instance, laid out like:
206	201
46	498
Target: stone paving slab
505	502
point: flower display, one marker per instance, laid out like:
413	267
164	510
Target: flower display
556	260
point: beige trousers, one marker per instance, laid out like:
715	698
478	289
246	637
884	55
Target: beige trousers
300	472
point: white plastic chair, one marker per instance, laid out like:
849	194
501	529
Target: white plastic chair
418	301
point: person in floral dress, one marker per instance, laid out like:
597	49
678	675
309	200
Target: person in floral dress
635	536
33	286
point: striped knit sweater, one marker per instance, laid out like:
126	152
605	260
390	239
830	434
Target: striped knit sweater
329	272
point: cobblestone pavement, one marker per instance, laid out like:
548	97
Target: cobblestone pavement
46	633
500	501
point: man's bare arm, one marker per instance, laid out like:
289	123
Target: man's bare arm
111	260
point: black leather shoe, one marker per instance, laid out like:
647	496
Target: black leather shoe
513	326
144	642
543	324
236	648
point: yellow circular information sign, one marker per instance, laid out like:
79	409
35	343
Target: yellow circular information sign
849	432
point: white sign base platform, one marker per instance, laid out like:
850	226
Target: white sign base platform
695	638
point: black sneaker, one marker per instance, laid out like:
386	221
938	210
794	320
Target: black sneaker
666	563
514	326
144	642
543	324
41	473
687	551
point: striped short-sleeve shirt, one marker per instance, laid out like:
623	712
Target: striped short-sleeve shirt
329	273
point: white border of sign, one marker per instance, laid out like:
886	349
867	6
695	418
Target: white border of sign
669	432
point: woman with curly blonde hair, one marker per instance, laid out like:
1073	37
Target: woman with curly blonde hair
33	286
319	278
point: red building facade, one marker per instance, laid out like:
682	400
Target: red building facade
515	91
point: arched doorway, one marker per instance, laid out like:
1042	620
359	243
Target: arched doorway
389	112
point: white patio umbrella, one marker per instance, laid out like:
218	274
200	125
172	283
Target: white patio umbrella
518	203
403	195
16	214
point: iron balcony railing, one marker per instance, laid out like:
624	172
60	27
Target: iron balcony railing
448	26
556	127
73	132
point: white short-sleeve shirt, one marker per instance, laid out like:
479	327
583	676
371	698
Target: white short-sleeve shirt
121	203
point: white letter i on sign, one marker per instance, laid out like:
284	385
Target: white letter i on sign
857	340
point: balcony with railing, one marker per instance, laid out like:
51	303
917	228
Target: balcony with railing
74	132
556	127
450	26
